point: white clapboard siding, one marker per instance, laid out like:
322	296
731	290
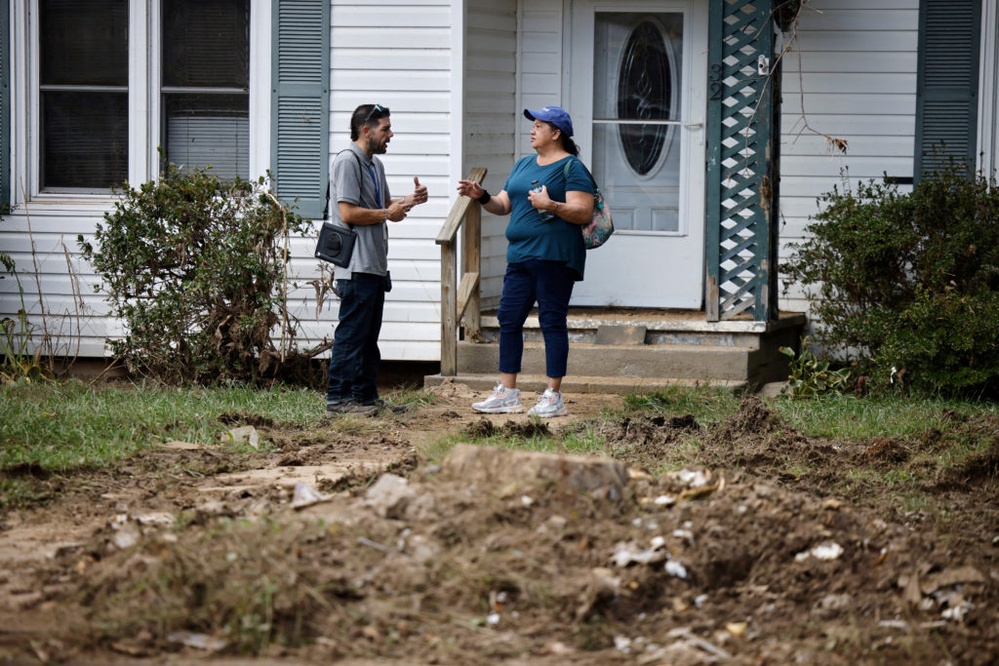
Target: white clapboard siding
542	77
490	118
400	56
506	75
53	285
850	74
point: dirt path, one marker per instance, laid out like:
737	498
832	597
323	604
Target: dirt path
343	545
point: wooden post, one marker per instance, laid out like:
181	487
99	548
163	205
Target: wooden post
467	212
449	310
472	265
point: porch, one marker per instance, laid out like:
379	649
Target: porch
729	242
616	350
612	350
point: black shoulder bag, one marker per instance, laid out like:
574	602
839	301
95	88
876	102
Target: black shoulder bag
336	243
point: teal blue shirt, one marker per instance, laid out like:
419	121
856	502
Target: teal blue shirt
529	236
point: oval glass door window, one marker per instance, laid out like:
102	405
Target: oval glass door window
645	92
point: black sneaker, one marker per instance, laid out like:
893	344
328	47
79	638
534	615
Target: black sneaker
350	407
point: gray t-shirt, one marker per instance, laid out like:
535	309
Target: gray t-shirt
360	181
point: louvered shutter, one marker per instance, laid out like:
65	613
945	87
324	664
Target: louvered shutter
947	87
300	103
4	104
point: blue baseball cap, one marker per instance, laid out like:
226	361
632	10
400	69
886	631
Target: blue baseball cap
555	115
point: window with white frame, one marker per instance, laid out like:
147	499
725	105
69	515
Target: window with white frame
101	91
83	94
205	84
199	58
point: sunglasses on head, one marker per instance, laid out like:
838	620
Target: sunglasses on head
377	108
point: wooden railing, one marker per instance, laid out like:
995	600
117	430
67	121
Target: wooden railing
460	301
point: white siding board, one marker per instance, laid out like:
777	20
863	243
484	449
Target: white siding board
409	102
839	18
835	103
838	125
388	16
903	62
858	41
815	8
398	55
849	83
423	82
376	38
860	145
47	245
540	44
401	60
812	187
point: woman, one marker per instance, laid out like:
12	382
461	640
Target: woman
549	197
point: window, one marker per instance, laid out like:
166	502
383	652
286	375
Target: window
645	92
83	94
106	89
85	83
205	88
637	100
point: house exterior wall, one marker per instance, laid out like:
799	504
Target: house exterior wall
537	63
988	116
400	56
66	314
490	110
850	75
456	76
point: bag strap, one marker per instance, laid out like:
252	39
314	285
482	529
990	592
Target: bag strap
360	179
568	165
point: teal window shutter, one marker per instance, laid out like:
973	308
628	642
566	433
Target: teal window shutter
300	103
4	104
947	84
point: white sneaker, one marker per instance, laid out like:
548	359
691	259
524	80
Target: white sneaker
503	401
549	404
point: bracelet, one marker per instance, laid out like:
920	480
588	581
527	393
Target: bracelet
386	215
484	199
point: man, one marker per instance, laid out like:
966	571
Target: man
362	198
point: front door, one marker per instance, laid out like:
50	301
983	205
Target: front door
639	74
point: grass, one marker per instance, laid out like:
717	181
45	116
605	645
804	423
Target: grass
58	426
62	425
858	418
707	404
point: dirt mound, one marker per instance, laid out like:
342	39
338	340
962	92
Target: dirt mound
344	545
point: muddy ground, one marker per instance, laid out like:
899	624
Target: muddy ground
342	545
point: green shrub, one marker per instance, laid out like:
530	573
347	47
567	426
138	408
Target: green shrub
905	284
195	268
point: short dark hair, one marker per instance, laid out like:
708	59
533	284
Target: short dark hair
366	114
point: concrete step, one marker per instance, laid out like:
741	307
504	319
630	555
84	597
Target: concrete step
672	362
601	326
534	383
624	349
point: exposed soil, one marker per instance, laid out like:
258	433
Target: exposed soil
341	545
